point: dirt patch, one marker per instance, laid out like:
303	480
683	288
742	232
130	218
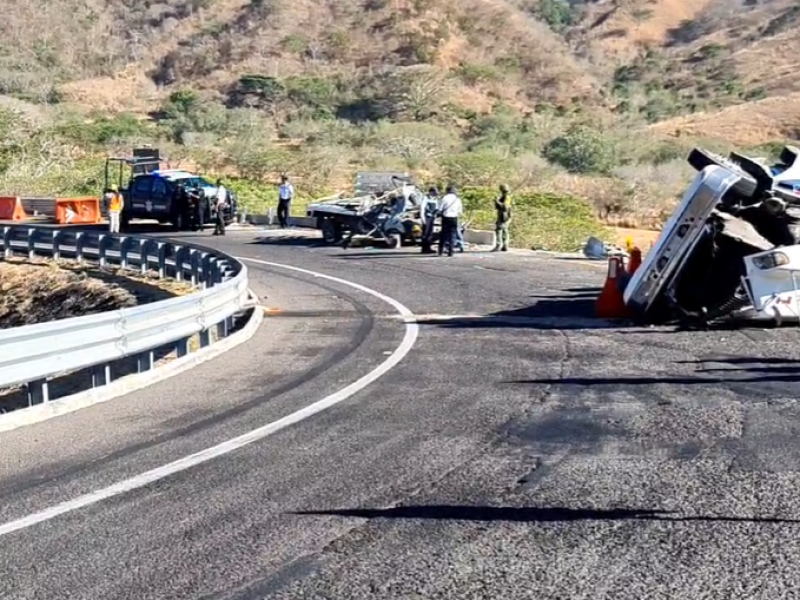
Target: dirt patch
44	290
644	239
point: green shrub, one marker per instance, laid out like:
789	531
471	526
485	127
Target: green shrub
540	221
581	150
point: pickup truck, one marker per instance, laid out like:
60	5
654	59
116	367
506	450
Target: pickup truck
150	196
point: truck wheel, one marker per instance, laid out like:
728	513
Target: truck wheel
700	158
394	240
331	232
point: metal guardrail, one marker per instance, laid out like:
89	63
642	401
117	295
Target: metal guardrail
33	354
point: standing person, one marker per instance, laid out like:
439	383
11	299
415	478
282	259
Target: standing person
198	202
219	208
285	196
428	214
450	208
115	205
180	205
503	207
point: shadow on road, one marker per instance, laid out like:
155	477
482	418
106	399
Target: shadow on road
567	312
743	370
529	514
288	240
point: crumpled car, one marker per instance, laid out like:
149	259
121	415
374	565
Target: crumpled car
730	250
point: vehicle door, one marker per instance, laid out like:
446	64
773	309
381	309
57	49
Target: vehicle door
161	196
140	190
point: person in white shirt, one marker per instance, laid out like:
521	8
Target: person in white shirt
285	195
219	206
450	208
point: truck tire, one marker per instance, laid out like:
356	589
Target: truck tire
700	159
394	240
331	231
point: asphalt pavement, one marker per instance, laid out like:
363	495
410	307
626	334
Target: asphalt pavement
520	449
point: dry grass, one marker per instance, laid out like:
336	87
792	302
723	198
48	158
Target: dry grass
748	124
46	291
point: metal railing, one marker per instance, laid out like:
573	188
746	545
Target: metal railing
33	355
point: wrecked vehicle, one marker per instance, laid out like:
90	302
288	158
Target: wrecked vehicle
386	208
731	250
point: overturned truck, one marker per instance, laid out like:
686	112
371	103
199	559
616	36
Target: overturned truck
731	250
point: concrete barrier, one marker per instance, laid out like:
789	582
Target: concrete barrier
479	237
272	219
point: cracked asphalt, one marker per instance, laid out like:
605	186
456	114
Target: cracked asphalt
539	453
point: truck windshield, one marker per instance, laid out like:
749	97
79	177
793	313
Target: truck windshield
194	182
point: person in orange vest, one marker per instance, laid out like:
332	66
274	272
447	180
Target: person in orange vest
115	206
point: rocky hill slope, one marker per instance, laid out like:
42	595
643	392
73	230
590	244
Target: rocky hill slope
657	59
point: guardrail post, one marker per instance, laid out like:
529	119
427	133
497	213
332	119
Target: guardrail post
102	249
79	243
8	251
56	253
101	375
145	361
208	270
182	347
195	257
205	338
181	253
32	235
143	265
162	262
38	392
123	252
223	328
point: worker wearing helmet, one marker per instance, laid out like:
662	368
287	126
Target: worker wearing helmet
502	205
115	205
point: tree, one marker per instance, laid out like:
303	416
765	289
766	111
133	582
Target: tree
415	143
581	149
415	93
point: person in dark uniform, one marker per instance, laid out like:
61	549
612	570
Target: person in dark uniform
198	203
428	214
181	203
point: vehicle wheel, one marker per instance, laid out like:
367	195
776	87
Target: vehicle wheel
700	159
394	240
331	232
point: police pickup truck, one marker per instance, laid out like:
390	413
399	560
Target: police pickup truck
152	196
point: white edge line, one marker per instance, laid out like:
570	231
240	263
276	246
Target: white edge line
187	462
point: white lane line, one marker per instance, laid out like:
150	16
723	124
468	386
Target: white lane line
409	339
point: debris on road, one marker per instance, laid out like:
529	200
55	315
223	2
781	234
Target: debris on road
596	248
731	250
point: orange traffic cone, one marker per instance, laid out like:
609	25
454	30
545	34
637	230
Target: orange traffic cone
610	303
635	261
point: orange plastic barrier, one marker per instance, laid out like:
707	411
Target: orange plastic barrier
610	303
11	210
78	211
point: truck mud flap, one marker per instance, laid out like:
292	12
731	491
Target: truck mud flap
680	235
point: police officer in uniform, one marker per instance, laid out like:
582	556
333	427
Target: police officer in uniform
428	214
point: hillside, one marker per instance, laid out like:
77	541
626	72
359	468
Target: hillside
667	57
595	99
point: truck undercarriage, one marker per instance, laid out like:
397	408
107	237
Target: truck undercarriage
730	250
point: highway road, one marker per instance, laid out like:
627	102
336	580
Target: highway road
516	448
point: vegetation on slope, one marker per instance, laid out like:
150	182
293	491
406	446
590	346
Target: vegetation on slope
560	100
